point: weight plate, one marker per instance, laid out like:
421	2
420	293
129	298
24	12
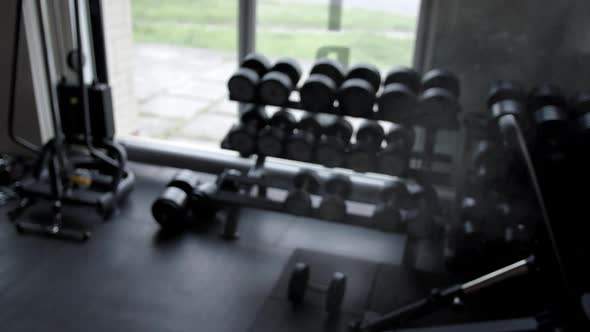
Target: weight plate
318	94
257	62
283	119
339	184
169	210
356	97
186	180
309	123
298	202
308	180
438	108
299	146
270	142
360	159
442	79
254	116
336	292
366	72
330	152
340	128
503	90
290	67
275	88
329	68
405	76
202	206
332	208
580	103
401	137
370	133
546	94
298	283
241	140
396	103
242	85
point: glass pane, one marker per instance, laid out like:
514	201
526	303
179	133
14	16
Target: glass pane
183	53
380	32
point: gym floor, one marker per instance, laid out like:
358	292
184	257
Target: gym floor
128	277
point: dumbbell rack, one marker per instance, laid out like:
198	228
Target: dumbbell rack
427	156
251	189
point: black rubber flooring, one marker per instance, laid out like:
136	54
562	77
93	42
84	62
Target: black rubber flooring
129	278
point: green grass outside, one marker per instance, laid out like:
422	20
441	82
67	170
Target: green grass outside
212	24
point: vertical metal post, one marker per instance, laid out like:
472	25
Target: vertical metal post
335	15
246	28
423	35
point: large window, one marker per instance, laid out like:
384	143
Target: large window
185	50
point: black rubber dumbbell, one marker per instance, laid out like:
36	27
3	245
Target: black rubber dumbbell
299	284
438	103
397	101
508	97
580	105
171	208
425	219
394	159
242	137
333	205
298	201
272	138
491	162
276	85
334	143
550	121
243	84
318	93
387	214
357	94
301	144
363	153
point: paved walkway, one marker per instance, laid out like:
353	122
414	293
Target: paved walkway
181	93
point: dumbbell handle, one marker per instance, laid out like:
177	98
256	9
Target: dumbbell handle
318	288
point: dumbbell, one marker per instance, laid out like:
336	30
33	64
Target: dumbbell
298	201
395	157
580	105
357	94
272	138
438	103
243	84
333	205
300	145
550	121
397	101
242	137
318	93
508	97
363	152
276	85
425	211
333	144
387	214
491	162
171	208
299	284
